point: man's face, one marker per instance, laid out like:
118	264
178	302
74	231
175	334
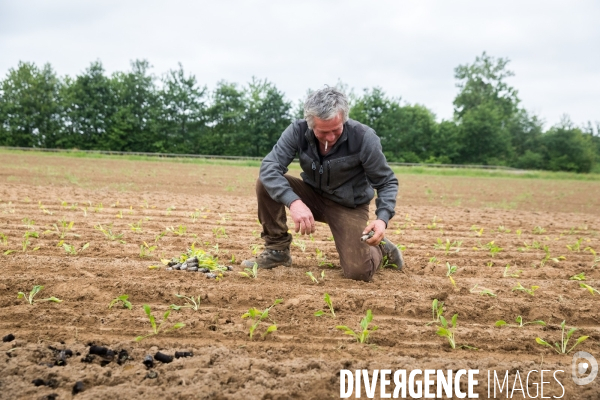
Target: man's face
328	130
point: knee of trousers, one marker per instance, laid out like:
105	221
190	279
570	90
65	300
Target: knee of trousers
359	271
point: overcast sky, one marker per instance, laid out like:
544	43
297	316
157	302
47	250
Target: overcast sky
408	48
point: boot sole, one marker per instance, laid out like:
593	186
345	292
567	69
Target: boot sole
250	265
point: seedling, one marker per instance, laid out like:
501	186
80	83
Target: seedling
122	299
36	289
578	277
44	209
327	300
219	232
255	248
533	245
169	210
3	238
482	291
478	230
519	232
451	270
312	277
507	274
137	226
562	347
224	218
195	215
524	289
547	257
99	207
25	243
447	246
258	316
156	329
145	250
300	244
109	234
120	214
322	259
71	249
62	229
538	230
159	236
448	331
29	223
365	332
190	302
433	260
433	224
575	247
502	229
437	310
493	248
589	288
250	272
520	322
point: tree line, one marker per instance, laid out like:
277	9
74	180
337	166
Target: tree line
174	113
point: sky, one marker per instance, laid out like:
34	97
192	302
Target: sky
408	48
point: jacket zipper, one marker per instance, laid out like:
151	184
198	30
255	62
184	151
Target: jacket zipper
320	176
328	172
314	168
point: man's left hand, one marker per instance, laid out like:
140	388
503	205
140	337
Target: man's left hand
377	226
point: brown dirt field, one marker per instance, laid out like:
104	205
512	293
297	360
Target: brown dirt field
303	358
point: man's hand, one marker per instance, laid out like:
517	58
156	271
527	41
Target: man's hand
303	218
377	226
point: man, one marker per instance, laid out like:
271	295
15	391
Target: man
342	164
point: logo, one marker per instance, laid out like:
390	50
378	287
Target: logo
583	363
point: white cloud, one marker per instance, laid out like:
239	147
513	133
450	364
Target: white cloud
408	48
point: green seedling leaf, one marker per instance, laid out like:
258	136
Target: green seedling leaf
578	277
589	288
365	332
561	347
258	316
500	323
312	277
158	329
123	299
319	313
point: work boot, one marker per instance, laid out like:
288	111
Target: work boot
392	256
270	259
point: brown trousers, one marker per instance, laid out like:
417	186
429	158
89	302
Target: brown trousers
359	261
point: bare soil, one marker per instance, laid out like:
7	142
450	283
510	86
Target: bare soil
302	359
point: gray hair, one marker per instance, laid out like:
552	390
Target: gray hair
325	104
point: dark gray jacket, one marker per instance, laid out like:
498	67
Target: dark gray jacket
354	166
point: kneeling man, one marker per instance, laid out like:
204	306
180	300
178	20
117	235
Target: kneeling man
343	165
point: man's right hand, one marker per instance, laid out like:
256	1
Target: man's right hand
303	217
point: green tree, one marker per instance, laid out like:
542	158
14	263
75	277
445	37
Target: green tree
183	112
88	108
30	106
266	117
134	126
567	148
225	117
406	132
484	108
